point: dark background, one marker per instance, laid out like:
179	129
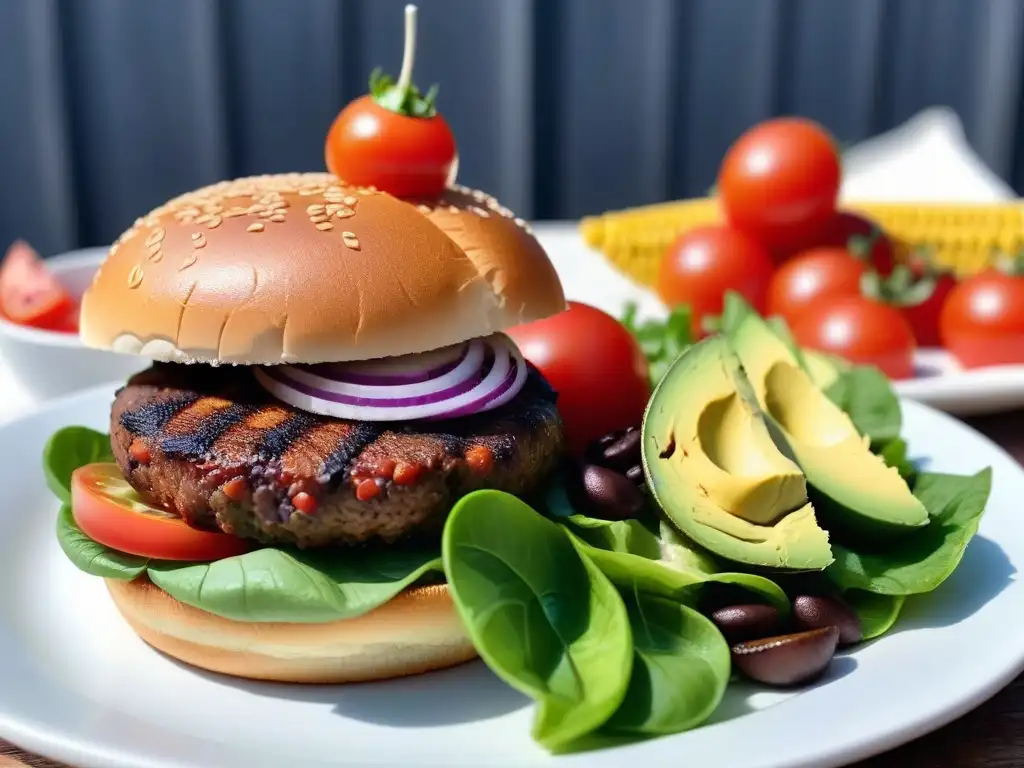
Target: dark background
560	107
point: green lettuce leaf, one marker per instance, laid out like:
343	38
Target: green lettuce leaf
67	450
94	558
867	397
920	561
877	613
284	585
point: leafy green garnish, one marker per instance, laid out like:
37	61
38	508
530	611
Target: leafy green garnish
894	454
920	561
877	613
542	617
295	586
662	341
67	450
867	397
681	662
94	558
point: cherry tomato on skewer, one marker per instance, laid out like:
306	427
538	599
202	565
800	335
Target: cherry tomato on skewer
394	138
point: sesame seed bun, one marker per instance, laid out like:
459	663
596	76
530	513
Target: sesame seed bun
418	631
300	268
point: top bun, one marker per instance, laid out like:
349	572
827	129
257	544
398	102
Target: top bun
301	268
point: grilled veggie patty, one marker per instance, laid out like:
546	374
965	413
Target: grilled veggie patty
212	445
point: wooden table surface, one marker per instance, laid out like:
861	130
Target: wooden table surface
992	736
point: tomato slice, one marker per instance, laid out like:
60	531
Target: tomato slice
29	294
110	511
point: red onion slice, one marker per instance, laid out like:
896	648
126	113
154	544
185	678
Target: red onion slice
407	369
491	372
356	393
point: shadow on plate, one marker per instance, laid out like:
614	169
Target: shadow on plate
741	698
984	572
464	694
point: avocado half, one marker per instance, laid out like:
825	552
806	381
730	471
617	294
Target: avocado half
859	494
716	473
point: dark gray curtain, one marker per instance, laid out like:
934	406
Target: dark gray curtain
560	107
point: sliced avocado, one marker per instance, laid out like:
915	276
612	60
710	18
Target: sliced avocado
822	368
716	472
862	495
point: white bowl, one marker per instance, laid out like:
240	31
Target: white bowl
49	364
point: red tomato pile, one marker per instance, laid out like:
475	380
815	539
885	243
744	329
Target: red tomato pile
31	296
832	274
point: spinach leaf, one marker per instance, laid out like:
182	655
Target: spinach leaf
877	613
294	585
662	341
92	557
681	661
867	397
541	616
67	450
894	454
616	535
922	560
681	666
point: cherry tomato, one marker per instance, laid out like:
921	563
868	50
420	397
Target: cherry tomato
394	139
596	367
109	511
863	331
813	275
704	263
370	145
919	291
982	321
862	237
780	180
29	294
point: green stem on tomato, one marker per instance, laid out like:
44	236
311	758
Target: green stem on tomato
403	97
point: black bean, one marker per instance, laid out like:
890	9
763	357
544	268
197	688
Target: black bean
623	453
739	623
603	493
636	474
815	612
787	659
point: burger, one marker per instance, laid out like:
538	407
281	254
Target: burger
330	375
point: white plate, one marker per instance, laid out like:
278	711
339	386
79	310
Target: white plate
589	277
77	685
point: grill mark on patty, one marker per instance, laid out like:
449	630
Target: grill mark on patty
204	431
240	442
277	441
352	442
151	418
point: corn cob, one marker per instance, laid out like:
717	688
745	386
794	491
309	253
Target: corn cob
961	237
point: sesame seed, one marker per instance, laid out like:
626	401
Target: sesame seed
349	200
323	226
344	213
135	276
277	217
191	259
314	209
198	240
204	218
318	218
266	214
215	222
479	211
256	226
350	240
232	213
277	205
156	255
156	236
256	208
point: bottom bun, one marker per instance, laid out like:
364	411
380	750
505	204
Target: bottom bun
418	631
